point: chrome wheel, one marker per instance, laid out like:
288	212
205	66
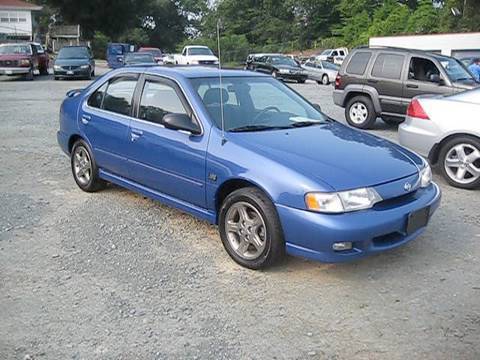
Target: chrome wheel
358	112
245	230
325	80
82	165
462	163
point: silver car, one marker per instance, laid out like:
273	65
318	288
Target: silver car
323	72
446	130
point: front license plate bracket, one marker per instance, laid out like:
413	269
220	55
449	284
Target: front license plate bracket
417	219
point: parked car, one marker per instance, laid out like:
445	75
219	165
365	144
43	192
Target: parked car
335	56
168	59
279	66
74	62
156	53
43	59
445	129
323	72
196	55
381	81
136	58
116	53
282	176
20	59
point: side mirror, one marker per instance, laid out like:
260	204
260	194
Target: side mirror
318	107
435	78
181	122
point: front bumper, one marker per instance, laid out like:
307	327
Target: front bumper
77	73
311	235
14	70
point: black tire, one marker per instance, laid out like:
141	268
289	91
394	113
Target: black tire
93	73
274	249
365	103
89	76
325	79
94	183
29	76
470	141
319	82
301	81
392	120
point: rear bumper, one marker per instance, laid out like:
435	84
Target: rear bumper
14	70
311	235
62	140
418	135
339	97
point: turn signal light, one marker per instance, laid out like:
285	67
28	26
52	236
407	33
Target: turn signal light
415	110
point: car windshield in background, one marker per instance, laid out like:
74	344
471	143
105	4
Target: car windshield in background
15	49
455	70
200	51
283	60
255	104
73	53
154	52
146	58
329	65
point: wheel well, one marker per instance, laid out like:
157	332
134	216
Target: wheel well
73	139
227	188
435	151
355	93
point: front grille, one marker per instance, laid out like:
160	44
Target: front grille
71	67
396	201
7	63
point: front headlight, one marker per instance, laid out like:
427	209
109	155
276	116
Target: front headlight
24	62
84	66
57	67
343	201
425	176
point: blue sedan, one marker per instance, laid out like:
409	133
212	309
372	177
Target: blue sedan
248	153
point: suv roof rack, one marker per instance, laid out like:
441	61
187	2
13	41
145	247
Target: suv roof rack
395	48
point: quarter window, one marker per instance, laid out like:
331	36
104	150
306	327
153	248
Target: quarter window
119	95
358	63
158	100
388	66
95	100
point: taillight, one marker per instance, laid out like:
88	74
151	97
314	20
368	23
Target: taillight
338	81
415	110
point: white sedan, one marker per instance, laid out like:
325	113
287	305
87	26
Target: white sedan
446	130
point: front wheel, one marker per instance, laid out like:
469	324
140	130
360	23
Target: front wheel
460	162
250	229
84	168
325	79
360	112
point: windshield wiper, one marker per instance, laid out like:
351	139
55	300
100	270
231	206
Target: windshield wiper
257	128
305	123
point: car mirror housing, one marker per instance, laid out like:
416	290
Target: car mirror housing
436	79
182	122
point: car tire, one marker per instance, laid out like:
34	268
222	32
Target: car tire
392	120
301	81
84	168
29	75
255	239
325	79
360	112
463	151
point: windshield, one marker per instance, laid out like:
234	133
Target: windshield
254	103
283	60
154	52
73	53
454	68
15	49
199	51
139	58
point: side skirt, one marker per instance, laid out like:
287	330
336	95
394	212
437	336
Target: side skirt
194	210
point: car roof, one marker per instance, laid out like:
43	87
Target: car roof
191	72
400	50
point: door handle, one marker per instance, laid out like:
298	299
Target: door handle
86	119
412	86
135	134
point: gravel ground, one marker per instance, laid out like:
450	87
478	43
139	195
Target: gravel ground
114	275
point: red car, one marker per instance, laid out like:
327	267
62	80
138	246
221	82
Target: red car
156	53
26	59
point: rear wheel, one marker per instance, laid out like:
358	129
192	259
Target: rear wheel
84	168
460	162
250	229
301	81
360	112
325	80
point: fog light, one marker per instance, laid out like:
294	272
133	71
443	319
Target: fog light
341	246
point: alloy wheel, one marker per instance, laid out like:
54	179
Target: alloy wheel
246	230
358	112
82	165
462	163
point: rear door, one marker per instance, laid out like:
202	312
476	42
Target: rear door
105	119
386	77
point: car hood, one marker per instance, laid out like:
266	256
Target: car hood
334	154
6	57
73	62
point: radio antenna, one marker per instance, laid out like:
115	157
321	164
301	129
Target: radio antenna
222	115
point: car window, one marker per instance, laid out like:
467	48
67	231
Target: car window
119	94
334	53
342	53
388	66
422	69
159	99
95	100
358	63
329	65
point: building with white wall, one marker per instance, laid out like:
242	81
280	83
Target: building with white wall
16	21
458	45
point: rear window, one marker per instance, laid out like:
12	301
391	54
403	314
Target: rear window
358	63
388	66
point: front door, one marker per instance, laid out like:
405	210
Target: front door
105	119
168	161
